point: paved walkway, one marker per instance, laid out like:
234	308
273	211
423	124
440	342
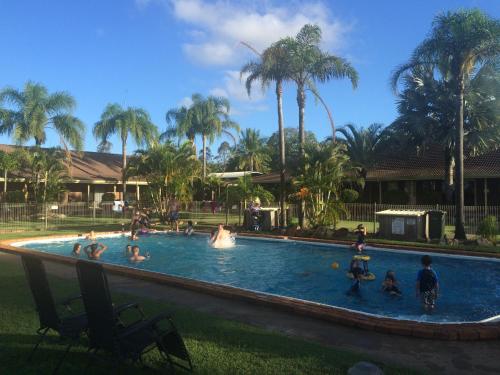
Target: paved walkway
429	356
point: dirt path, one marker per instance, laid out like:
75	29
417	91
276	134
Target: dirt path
429	356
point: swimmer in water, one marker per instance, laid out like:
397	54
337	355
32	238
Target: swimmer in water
136	257
95	250
76	250
221	237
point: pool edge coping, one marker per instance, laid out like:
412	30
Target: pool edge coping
467	331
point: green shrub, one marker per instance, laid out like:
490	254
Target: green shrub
108	197
16	196
488	228
349	195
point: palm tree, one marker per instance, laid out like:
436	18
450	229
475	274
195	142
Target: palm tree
124	122
169	170
362	144
33	110
273	66
461	41
309	65
8	162
251	151
327	174
180	124
427	115
211	119
207	117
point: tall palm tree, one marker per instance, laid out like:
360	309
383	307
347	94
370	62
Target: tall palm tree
309	64
33	110
211	119
134	122
207	117
461	41
362	144
180	124
427	114
272	67
251	151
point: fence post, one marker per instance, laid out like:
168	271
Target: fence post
93	212
46	216
374	217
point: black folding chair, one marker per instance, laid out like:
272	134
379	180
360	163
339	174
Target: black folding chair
107	331
68	327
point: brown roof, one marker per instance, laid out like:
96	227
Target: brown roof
86	165
269	178
430	166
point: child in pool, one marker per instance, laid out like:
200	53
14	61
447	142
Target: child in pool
136	257
190	229
357	273
76	250
427	286
90	236
390	284
128	250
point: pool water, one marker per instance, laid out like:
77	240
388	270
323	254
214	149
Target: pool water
470	288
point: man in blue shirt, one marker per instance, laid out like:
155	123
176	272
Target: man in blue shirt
427	287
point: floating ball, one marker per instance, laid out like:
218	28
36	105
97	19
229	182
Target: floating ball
335	265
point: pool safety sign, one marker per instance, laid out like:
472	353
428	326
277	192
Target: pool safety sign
398	225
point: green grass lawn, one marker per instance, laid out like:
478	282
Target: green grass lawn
217	346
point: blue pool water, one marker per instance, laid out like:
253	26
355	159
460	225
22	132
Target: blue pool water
470	288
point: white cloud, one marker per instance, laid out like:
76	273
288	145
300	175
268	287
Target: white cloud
234	88
186	102
224	25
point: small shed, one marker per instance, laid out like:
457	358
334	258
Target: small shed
406	225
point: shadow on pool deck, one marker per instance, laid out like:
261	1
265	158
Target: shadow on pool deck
430	356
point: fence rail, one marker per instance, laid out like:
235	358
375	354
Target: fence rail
50	216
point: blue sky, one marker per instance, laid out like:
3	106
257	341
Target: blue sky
155	53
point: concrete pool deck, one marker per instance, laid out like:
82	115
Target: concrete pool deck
430	356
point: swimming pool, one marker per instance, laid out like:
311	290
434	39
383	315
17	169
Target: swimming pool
470	287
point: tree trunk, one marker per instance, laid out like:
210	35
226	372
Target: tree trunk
449	165
204	157
279	97
301	102
459	176
124	167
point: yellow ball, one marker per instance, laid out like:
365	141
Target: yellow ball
335	265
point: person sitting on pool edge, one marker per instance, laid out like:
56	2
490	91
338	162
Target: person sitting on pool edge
427	286
360	244
189	229
357	273
76	250
96	249
136	257
390	284
91	236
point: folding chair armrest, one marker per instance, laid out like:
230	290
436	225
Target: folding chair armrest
146	324
68	301
127	306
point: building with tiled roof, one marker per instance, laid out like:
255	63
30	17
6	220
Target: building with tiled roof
419	179
91	174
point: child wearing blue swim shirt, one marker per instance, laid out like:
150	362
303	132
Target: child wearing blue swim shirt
427	286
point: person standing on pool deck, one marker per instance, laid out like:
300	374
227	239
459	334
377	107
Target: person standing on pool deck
173	207
427	287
